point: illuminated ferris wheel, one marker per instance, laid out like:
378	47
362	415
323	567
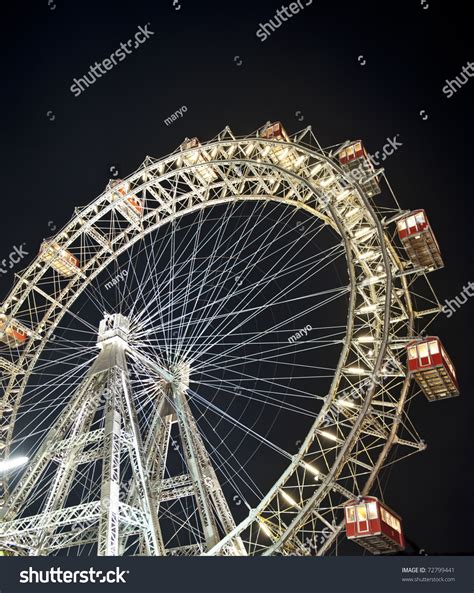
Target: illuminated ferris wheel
214	357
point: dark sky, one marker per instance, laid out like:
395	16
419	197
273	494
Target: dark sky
367	70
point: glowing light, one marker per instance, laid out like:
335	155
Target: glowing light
345	403
372	280
328	435
312	470
364	339
264	528
343	194
327	181
355	370
13	463
366	232
367	309
288	498
249	148
351	213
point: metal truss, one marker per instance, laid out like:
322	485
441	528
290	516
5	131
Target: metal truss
363	414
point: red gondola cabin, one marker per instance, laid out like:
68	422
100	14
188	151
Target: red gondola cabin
355	157
133	206
374	526
12	332
417	237
281	153
432	369
275	131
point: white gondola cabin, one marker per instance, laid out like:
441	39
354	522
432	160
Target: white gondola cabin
193	155
132	206
12	332
59	259
431	367
417	237
374	526
354	159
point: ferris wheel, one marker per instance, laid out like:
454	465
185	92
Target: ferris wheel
214	357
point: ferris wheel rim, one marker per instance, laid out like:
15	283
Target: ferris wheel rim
270	165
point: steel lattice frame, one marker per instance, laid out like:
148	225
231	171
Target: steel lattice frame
349	442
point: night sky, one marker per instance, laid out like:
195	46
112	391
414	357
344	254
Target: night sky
365	70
